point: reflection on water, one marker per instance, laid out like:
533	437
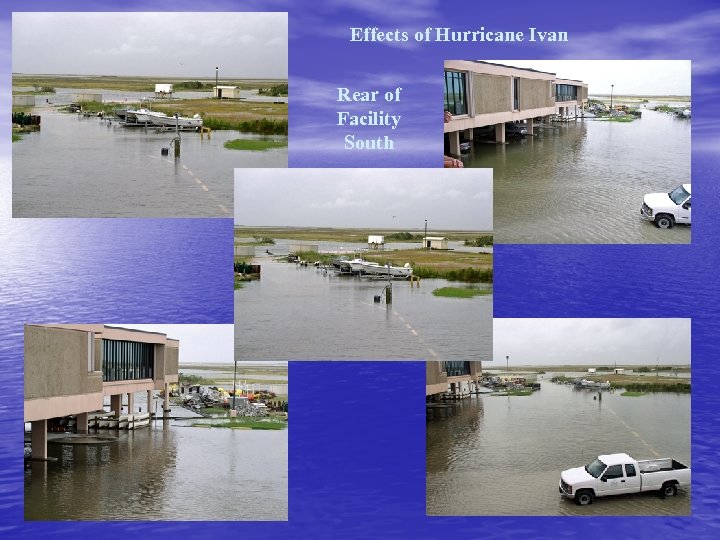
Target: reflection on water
86	167
503	455
164	473
296	313
584	182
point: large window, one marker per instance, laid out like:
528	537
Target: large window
565	92
127	360
455	93
456	369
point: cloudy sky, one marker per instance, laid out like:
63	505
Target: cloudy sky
648	77
242	45
591	341
450	199
199	343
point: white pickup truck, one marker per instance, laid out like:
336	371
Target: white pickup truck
667	209
615	474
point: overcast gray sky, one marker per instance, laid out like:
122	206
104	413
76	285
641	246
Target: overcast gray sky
242	45
644	77
591	341
199	343
450	199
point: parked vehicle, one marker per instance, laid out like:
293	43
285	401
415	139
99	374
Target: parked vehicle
667	209
616	474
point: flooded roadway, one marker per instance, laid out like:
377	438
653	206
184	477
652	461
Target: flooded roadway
86	167
503	455
584	182
295	313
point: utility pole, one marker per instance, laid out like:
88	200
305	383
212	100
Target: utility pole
217	91
612	86
425	239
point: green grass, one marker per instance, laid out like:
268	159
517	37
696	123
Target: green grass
16	137
513	393
253	144
633	394
243	423
519	392
460	292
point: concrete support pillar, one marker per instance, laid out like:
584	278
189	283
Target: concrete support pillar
116	404
500	132
81	423
38	438
530	125
150	407
131	402
454	143
166	401
468	134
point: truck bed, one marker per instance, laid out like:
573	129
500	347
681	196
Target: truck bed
656	465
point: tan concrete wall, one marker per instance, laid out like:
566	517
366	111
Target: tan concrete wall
159	369
54	407
127	387
535	94
434	377
491	93
172	355
56	363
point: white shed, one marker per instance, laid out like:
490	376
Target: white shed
376	241
163	90
435	242
226	92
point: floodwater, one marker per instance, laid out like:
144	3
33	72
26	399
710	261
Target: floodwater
172	472
88	167
503	455
583	182
295	313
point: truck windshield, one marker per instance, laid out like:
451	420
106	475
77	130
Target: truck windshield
596	468
678	195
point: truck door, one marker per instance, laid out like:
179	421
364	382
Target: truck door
612	481
632	479
683	212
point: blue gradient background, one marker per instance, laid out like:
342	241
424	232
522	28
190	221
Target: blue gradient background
357	466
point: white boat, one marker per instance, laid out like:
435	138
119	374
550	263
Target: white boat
155	118
376	269
162	119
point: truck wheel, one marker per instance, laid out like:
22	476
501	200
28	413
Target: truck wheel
669	490
663	221
583	498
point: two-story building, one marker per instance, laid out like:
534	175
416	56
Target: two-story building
479	94
70	368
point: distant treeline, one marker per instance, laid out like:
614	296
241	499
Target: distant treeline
192	85
480	241
277	90
404	236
